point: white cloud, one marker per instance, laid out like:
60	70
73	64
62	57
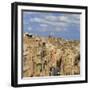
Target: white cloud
35	19
52	18
43	25
59	23
29	28
73	19
28	13
63	18
47	22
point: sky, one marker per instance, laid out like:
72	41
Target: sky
55	24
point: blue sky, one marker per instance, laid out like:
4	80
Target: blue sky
65	25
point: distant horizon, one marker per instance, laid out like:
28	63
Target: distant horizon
51	36
60	25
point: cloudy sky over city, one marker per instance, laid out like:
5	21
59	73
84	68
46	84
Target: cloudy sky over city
56	24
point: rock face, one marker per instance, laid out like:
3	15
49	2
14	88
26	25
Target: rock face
49	56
